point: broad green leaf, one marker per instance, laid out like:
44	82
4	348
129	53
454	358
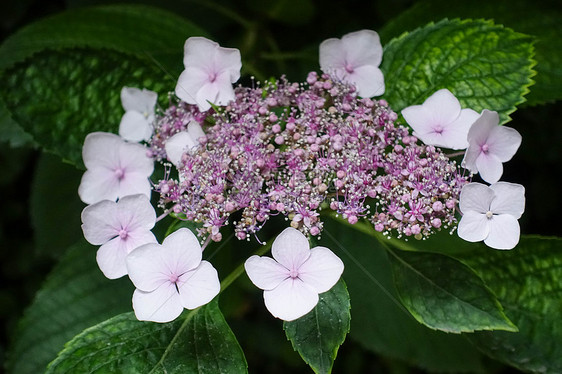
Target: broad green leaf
486	66
55	206
527	281
541	19
199	341
63	75
380	322
10	131
318	335
76	295
446	295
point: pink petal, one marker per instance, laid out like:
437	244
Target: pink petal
189	83
265	272
480	130
503	142
475	197
161	305
135	127
457	131
322	269
101	149
138	100
147	267
182	251
290	248
208	93
177	145
473	227
100	223
198	51
489	167
363	48
290	300
443	106
509	199
136	213
111	258
195	131
369	80
199	286
228	60
225	89
134	183
133	158
504	232
98	184
331	55
420	120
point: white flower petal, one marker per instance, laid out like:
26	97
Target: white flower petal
331	55
161	305
322	269
443	106
477	137
489	167
98	184
504	142
362	48
368	80
290	300
179	144
111	258
265	272
457	131
142	101
195	131
473	227
504	232
189	83
135	127
475	197
147	267
509	199
290	248
101	149
136	213
100	222
133	158
199	286
181	251
208	94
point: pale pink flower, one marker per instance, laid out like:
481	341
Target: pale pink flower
136	123
209	73
294	277
355	59
115	168
490	213
490	145
171	277
440	121
119	227
182	142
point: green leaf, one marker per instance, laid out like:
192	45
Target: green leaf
318	335
380	322
541	19
446	295
485	66
75	296
63	75
55	206
200	341
527	281
10	131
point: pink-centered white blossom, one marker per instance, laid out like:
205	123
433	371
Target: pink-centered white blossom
136	123
119	227
490	213
210	71
184	141
490	145
170	277
294	277
355	59
115	168
440	121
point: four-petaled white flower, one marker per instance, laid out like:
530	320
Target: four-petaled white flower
490	213
489	146
182	142
209	73
355	58
119	227
440	121
136	123
171	277
115	168
295	276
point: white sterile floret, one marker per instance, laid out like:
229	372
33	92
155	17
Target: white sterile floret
171	277
115	168
182	142
440	121
294	277
209	73
136	123
490	213
119	227
355	59
490	145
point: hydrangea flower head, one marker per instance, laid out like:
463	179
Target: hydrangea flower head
490	213
440	121
136	123
294	277
119	227
355	58
209	73
171	277
490	145
115	168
